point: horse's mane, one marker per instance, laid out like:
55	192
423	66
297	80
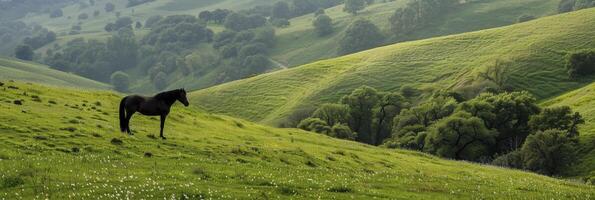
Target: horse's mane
168	95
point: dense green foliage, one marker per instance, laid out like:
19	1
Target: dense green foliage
549	152
323	25
23	52
360	35
417	14
581	63
120	81
353	6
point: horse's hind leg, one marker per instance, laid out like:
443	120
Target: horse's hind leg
162	123
128	117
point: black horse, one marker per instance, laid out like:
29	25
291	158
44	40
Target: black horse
157	105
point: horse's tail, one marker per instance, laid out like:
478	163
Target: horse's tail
123	126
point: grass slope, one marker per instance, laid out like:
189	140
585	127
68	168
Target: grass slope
583	101
298	44
63	146
532	53
13	69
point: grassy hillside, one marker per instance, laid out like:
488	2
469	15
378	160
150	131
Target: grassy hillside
56	147
583	101
299	44
532	54
12	69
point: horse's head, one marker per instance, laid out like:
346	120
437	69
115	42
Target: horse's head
182	97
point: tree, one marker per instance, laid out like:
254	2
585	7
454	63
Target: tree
332	114
315	125
360	35
323	25
255	64
109	7
581	63
160	81
548	152
205	15
120	81
389	106
342	131
560	118
566	6
460	136
361	103
508	113
353	6
24	52
281	10
582	4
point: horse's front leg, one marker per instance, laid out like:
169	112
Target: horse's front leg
162	124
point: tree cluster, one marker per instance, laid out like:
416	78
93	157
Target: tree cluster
417	13
581	63
366	113
572	5
96	59
360	35
507	129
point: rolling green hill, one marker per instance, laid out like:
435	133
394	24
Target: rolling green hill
13	69
297	44
532	55
64	143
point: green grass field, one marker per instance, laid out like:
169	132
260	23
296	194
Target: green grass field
13	69
65	143
532	54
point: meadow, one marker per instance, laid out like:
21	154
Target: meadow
65	143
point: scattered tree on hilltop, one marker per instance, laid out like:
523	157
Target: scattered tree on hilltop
360	35
109	7
323	25
581	63
354	6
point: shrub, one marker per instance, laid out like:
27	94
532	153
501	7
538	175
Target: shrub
342	131
581	63
315	125
360	35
